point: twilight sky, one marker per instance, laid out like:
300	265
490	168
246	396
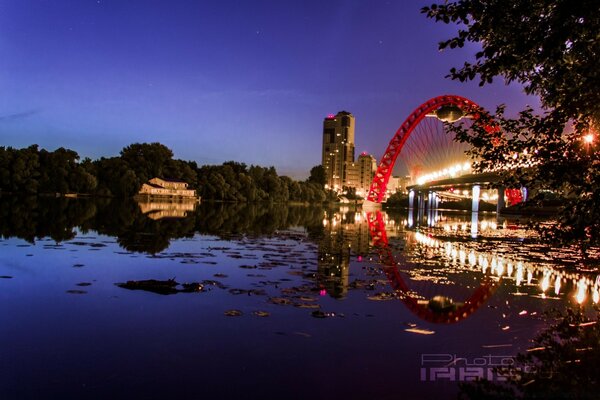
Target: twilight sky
246	80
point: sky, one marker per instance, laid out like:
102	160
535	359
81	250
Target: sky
246	80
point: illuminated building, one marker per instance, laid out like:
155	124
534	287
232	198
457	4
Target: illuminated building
338	149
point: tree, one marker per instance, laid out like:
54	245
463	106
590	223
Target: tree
551	47
147	160
317	175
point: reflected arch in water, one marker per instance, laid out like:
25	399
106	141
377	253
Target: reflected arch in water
440	315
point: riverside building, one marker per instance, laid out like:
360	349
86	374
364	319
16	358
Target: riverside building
341	170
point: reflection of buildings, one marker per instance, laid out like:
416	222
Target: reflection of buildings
338	156
344	233
166	209
157	187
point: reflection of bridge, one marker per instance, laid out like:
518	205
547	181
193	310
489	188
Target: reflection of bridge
432	310
449	109
494	267
347	234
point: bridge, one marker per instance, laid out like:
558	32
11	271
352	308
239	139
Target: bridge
451	181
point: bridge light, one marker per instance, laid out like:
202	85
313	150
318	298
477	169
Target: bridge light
449	113
589	138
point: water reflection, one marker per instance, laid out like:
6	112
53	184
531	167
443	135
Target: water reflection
147	227
414	255
345	233
155	210
428	288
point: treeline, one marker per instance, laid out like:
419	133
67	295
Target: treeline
34	171
34	218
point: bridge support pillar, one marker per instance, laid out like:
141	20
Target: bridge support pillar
420	200
474	224
524	194
501	204
430	200
476	191
411	204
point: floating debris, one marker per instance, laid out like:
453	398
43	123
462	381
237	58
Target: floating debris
74	291
280	300
420	331
6	277
84	284
165	287
307	305
383	296
322	314
261	314
233	313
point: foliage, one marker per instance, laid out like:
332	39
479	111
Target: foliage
552	48
561	364
32	171
317	175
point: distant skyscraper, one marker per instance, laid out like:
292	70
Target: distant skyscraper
367	165
338	148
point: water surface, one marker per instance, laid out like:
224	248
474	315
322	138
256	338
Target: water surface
291	302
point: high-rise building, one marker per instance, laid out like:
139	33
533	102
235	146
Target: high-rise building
338	148
367	165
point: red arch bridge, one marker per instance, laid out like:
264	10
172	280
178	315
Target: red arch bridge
450	182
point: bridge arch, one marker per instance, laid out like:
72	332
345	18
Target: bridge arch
384	170
477	298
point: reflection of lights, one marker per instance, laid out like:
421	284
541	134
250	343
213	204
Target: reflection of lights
519	273
472	258
504	268
581	289
545	282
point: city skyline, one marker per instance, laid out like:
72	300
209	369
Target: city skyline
221	81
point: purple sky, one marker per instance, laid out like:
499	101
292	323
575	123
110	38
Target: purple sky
220	80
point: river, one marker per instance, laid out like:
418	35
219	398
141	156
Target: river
270	301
